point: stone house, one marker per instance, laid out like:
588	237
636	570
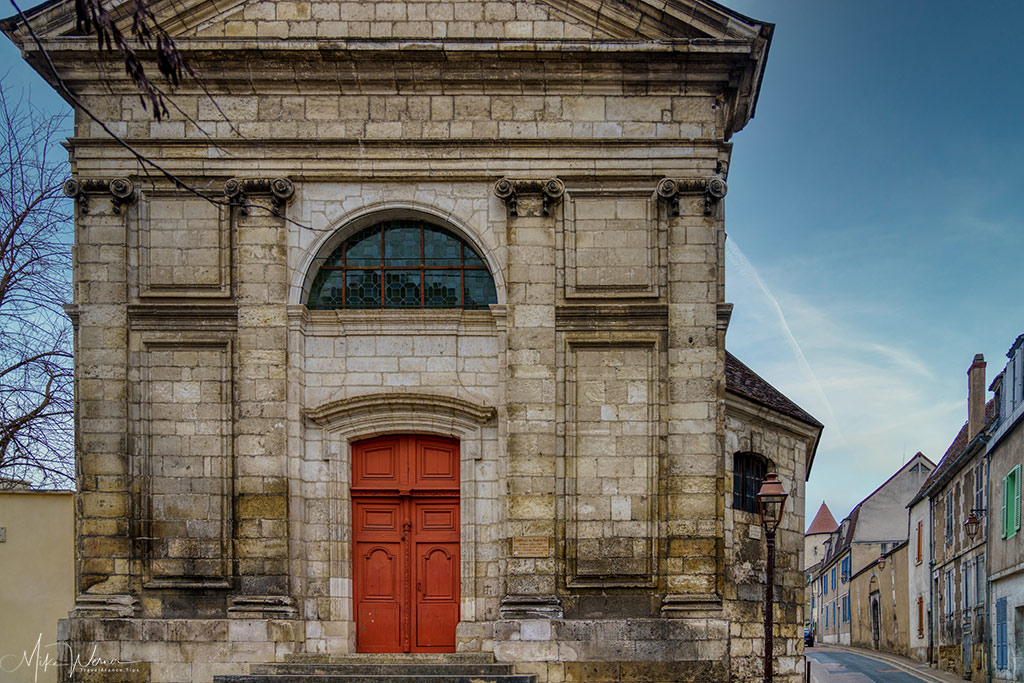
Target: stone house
880	614
875	526
958	576
1002	518
438	362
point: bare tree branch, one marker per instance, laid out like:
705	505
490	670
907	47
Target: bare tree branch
36	388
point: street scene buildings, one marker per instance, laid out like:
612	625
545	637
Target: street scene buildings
951	591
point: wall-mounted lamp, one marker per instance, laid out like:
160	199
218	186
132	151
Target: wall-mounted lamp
972	523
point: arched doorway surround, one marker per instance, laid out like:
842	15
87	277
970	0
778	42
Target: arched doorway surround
343	423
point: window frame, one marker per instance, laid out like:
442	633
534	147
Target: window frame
746	465
949	517
382	267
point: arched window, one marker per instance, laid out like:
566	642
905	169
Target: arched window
402	264
748	470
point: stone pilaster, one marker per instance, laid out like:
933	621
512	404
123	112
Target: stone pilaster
103	502
692	478
261	472
532	442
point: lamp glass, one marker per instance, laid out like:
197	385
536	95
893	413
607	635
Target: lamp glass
770	501
971	526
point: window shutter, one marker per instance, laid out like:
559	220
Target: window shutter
1016	499
919	524
1006	507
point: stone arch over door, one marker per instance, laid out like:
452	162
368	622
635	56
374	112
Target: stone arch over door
347	421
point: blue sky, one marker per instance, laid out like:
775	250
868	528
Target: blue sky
875	212
878	195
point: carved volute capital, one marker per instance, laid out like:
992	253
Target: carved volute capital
714	189
517	195
121	190
237	191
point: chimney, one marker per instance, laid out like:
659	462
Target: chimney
975	397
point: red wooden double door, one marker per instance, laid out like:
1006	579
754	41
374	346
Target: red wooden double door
405	524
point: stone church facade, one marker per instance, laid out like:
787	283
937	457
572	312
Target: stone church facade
439	363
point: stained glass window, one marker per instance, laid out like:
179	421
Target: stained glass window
402	264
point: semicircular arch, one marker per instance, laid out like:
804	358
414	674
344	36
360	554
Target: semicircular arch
366	216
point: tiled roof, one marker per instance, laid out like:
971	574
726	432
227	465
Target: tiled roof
824	522
954	451
742	380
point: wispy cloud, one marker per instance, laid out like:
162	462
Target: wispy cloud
887	400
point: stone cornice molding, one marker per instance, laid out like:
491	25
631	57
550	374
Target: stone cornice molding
612	316
182	316
511	190
121	191
723	314
714	189
383	412
237	191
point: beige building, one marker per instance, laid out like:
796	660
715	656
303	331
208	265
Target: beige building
442	365
874	527
880	617
37	580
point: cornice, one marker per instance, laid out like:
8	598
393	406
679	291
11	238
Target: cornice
612	316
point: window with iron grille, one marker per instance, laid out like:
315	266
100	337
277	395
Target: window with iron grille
402	264
747	474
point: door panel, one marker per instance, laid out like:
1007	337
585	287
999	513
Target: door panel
378	573
406	547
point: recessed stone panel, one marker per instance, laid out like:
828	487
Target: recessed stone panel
611	244
183	247
611	469
183	461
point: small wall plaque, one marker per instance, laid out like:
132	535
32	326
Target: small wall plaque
531	546
3	534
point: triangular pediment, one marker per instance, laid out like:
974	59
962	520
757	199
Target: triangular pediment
425	20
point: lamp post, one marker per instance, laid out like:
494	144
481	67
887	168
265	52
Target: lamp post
770	501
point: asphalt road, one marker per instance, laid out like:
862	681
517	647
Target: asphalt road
838	666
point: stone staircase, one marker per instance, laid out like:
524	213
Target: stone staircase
382	668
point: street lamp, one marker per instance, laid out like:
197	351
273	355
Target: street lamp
972	524
881	562
770	501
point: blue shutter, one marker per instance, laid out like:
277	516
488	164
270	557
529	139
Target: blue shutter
1001	633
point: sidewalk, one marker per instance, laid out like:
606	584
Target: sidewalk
911	666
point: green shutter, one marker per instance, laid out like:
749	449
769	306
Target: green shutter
1006	507
1016	499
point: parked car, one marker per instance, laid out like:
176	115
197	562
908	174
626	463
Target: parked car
808	637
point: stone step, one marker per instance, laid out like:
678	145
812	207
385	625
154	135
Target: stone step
380	669
392	658
332	678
